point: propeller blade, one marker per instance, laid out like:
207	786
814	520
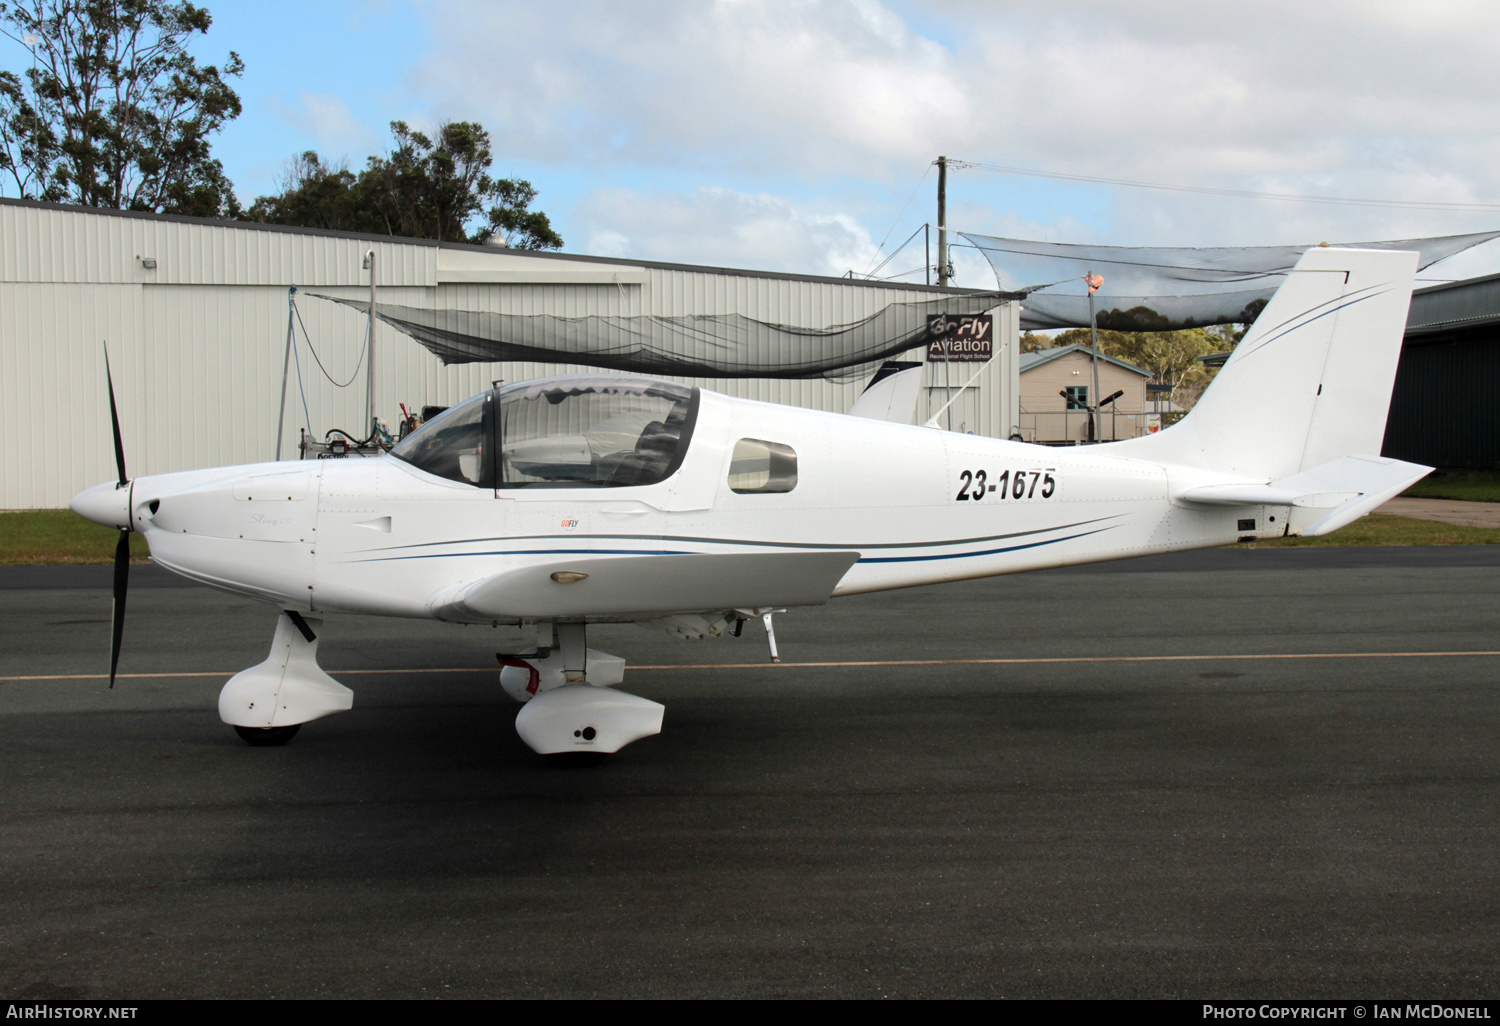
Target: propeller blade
122	577
114	418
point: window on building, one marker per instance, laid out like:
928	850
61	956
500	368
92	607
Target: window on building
1077	396
760	466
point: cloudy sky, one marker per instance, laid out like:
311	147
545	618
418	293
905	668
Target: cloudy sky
799	135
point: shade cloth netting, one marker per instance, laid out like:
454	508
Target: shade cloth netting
1162	288
703	345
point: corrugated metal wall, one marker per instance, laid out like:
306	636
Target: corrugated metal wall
197	342
1442	410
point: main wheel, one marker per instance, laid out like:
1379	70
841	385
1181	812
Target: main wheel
574	760
267	737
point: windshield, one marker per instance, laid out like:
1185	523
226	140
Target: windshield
577	431
600	432
454	444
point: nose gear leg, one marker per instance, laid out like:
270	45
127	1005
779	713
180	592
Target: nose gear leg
289	687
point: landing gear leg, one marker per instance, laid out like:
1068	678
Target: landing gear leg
572	716
268	702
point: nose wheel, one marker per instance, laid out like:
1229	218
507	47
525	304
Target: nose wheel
574	760
267	737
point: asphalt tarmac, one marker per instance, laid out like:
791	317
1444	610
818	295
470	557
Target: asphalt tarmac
1260	774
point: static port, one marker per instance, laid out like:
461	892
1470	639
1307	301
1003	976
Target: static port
589	733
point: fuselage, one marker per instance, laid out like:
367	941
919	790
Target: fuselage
920	506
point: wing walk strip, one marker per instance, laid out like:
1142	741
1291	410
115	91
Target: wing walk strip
826	665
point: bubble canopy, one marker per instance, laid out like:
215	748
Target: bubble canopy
576	431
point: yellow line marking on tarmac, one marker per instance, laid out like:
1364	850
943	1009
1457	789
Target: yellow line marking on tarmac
828	665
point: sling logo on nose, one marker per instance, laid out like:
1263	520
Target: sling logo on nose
568	523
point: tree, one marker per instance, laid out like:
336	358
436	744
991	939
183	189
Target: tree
425	187
315	194
1170	356
1031	342
114	112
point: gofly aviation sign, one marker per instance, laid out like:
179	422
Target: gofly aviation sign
960	339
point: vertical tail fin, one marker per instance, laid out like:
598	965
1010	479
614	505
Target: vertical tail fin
1310	382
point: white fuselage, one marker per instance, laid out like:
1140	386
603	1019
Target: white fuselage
921	506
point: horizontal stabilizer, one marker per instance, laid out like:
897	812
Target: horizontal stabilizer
1246	495
1376	479
647	584
1324	498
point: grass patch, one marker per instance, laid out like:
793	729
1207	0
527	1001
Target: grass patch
46	537
1385	529
1475	486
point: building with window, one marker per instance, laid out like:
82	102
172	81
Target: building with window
1055	397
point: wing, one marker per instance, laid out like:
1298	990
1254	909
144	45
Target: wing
649	586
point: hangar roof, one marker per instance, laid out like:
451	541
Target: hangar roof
1471	303
467	247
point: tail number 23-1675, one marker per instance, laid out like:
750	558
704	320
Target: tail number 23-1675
1019	484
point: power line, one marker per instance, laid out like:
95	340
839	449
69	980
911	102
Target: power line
1237	193
897	219
895	253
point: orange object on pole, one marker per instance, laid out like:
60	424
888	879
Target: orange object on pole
1094	281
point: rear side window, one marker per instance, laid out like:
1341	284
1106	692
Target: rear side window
761	466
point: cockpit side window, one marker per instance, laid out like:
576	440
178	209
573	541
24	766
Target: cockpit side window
760	466
455	444
593	432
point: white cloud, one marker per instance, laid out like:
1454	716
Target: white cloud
720	226
1378	98
329	121
729	84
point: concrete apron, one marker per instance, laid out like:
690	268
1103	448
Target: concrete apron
1450	511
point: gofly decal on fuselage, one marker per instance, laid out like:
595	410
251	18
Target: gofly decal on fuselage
566	501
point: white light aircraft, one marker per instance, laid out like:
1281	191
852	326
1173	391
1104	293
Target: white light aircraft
561	502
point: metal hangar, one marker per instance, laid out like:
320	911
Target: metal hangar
196	314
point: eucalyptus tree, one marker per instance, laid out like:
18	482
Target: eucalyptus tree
114	111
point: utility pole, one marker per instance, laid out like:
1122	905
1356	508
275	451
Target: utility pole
370	352
286	364
942	270
942	254
1094	281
